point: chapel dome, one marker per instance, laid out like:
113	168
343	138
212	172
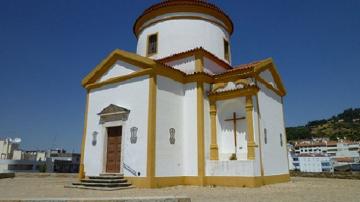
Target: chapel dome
174	26
174	6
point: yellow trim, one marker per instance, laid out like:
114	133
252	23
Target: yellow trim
227	56
251	90
199	62
268	85
150	170
120	78
147	44
214	149
89	81
230	181
81	166
244	82
200	129
250	128
276	179
199	66
221	62
198	77
269	64
131	58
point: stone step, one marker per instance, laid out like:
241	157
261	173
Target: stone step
112	174
104	180
106	177
98	188
102	184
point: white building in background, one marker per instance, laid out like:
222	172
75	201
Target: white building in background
315	163
179	112
340	148
8	146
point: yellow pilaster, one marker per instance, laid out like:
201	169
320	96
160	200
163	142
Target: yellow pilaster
81	166
200	131
250	128
214	150
150	171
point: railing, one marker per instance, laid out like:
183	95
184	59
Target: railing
132	171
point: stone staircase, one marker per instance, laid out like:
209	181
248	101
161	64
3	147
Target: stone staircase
106	182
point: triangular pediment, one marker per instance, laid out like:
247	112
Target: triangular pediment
113	109
266	72
117	63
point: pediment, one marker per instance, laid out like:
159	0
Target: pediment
113	113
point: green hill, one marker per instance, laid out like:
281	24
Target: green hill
344	125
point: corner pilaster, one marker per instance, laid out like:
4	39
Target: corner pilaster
214	150
250	128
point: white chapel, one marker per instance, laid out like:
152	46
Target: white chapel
178	112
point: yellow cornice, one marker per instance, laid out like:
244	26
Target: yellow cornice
119	79
151	66
247	91
131	58
196	51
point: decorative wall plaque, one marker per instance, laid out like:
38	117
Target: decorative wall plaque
113	113
172	135
265	136
133	138
94	140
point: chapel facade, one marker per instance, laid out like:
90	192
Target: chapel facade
178	112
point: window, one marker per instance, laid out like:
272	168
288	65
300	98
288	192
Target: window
265	135
152	44
226	50
281	139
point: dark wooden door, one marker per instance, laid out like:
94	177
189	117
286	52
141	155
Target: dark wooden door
113	149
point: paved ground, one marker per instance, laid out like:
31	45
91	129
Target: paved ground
299	189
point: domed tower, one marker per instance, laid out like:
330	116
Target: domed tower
175	26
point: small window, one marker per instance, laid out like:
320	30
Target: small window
226	50
281	139
265	135
152	45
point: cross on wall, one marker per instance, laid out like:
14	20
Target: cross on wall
234	119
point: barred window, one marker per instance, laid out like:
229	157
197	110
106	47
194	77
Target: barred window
152	45
226	50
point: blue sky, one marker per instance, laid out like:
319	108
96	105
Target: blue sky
47	47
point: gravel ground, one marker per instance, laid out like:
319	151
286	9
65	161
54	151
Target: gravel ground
299	189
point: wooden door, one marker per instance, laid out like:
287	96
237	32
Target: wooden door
113	149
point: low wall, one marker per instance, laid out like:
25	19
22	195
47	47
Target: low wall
127	199
245	168
339	175
6	175
37	175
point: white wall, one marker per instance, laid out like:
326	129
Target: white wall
120	68
186	65
271	117
268	77
211	67
225	129
169	114
247	168
190	131
207	121
180	35
133	95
